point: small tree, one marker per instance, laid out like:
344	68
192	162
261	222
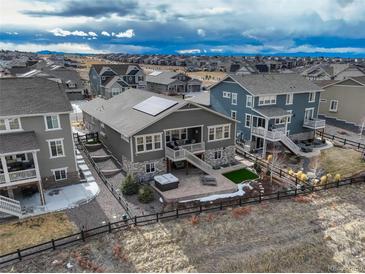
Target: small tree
129	185
257	167
145	195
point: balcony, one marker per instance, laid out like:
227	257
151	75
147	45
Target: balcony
273	135
20	175
314	123
177	153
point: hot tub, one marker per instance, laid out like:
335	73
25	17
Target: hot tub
166	182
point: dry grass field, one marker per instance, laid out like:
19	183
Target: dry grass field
323	232
32	231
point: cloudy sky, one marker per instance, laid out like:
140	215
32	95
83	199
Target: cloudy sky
305	27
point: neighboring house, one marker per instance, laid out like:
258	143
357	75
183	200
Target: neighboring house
269	107
343	102
36	144
149	132
332	72
171	83
108	80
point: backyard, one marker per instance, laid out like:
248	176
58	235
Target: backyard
241	175
32	231
322	232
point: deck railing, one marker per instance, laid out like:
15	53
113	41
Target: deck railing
19	175
314	123
273	135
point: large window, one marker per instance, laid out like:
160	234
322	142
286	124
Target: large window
218	154
289	99
267	100
60	174
234	99
219	132
10	124
312	97
56	148
150	168
333	105
248	101
147	143
176	134
52	122
248	120
280	121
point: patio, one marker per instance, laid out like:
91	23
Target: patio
191	188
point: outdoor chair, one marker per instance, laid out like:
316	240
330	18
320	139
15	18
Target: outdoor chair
208	180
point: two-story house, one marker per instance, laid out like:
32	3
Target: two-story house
108	80
149	133
172	83
270	108
36	144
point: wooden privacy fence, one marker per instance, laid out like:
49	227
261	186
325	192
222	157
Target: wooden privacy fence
83	235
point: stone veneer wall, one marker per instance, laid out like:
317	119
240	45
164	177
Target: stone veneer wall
139	168
227	156
72	178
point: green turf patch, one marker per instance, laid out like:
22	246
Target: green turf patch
240	175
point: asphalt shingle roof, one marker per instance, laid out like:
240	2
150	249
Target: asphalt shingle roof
118	112
18	141
279	83
271	111
164	78
35	95
120	69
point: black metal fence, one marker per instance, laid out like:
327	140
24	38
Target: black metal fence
81	236
341	140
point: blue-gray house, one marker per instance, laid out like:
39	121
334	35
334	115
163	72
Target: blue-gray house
270	108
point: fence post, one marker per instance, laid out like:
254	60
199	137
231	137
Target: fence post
344	141
278	195
296	191
240	201
135	220
260	198
109	227
53	245
200	208
221	206
19	255
82	235
280	173
157	217
177	213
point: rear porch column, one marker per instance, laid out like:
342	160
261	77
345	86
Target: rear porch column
40	187
5	169
265	142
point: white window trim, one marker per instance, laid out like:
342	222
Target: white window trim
223	138
234	99
249	99
50	150
235	114
305	110
289	117
7	125
330	106
314	97
246	116
144	143
291	99
270	103
46	125
226	94
282	121
220	153
154	167
59	169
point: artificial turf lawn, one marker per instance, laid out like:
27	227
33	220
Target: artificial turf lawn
240	175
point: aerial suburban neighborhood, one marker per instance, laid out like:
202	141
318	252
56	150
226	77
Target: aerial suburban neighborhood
192	136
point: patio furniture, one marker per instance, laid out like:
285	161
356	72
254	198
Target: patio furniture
208	180
166	182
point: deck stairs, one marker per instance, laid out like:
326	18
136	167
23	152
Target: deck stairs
10	207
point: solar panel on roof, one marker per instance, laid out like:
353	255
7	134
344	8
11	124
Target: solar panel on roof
155	73
154	105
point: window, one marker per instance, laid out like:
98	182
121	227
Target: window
267	100
148	143
248	120
10	124
60	174
234	114
52	122
289	99
218	154
312	97
226	94
234	99
323	100
280	121
56	148
220	132
140	78
248	101
333	105
289	117
176	134
150	168
115	91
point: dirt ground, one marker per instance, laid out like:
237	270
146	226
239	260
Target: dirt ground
324	232
28	232
344	161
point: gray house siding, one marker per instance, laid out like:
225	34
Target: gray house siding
37	124
115	143
94	82
181	119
